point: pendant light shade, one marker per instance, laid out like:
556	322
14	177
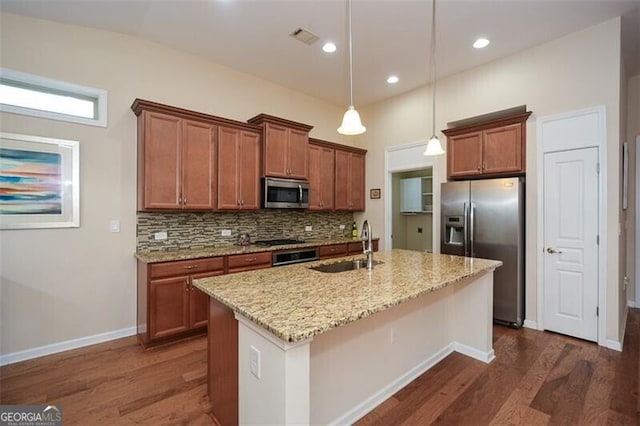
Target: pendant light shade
351	124
434	147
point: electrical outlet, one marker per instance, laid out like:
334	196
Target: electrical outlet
308	228
342	227
226	232
419	230
160	235
254	361
114	226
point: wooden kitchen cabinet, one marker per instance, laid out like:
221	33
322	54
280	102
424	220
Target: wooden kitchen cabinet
238	169
176	163
321	177
248	262
491	149
284	147
356	246
169	306
349	180
333	250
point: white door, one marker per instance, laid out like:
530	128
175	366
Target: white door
570	242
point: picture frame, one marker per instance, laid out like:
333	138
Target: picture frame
625	174
374	194
39	182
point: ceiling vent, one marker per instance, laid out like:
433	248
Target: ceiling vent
305	36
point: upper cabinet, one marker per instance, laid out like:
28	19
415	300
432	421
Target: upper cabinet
239	169
322	160
178	158
284	147
349	175
491	149
176	163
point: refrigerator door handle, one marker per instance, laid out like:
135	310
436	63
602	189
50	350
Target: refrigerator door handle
465	230
472	221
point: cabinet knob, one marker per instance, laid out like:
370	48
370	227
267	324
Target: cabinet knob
242	202
187	288
479	168
184	201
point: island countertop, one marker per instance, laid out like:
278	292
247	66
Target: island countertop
296	303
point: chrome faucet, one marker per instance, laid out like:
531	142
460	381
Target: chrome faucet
367	250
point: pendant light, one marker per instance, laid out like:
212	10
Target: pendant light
351	124
433	146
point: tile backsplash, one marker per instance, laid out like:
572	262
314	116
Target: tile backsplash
198	230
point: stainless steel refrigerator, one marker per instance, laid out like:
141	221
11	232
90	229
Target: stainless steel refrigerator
485	218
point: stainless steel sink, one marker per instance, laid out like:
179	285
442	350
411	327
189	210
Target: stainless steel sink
346	265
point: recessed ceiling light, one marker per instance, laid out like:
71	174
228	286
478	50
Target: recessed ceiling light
392	79
329	47
480	43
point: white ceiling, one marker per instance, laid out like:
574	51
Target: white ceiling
390	36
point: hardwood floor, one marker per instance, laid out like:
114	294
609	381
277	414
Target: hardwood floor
537	378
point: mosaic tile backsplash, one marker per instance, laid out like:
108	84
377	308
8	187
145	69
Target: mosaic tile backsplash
199	230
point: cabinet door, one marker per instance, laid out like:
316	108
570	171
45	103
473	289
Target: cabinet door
327	178
199	302
198	166
411	195
356	182
168	307
162	159
315	171
275	150
503	150
297	148
249	170
342	191
464	155
228	176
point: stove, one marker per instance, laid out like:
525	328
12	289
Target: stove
277	242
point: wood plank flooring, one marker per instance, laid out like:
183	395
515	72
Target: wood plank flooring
537	378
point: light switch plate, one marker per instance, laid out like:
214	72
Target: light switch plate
160	235
342	227
226	232
308	228
114	225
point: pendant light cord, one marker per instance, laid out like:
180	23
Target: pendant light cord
350	59
433	63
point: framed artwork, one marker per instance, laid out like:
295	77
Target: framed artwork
39	182
625	174
374	193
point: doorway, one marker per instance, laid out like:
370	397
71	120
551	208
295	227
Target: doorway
412	210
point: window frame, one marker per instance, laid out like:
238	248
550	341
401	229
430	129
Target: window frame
57	87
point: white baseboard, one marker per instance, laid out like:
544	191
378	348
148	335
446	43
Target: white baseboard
631	303
385	393
65	346
530	324
615	345
485	357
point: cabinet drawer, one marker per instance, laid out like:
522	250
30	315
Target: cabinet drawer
333	250
249	261
186	267
355	247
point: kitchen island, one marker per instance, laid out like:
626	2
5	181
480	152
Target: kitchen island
292	345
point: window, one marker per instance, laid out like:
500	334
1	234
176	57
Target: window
27	94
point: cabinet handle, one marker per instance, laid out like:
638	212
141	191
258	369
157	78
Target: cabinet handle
187	288
191	266
332	249
242	202
179	200
253	259
238	203
184	201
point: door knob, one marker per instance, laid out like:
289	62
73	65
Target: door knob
551	251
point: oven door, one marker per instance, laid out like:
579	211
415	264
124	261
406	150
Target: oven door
285	194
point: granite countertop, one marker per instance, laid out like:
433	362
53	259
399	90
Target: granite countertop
296	303
226	250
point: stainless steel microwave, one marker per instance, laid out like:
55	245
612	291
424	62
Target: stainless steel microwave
285	193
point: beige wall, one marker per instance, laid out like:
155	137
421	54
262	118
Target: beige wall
577	71
633	130
62	284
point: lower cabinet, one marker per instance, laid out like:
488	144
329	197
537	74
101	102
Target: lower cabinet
169	306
